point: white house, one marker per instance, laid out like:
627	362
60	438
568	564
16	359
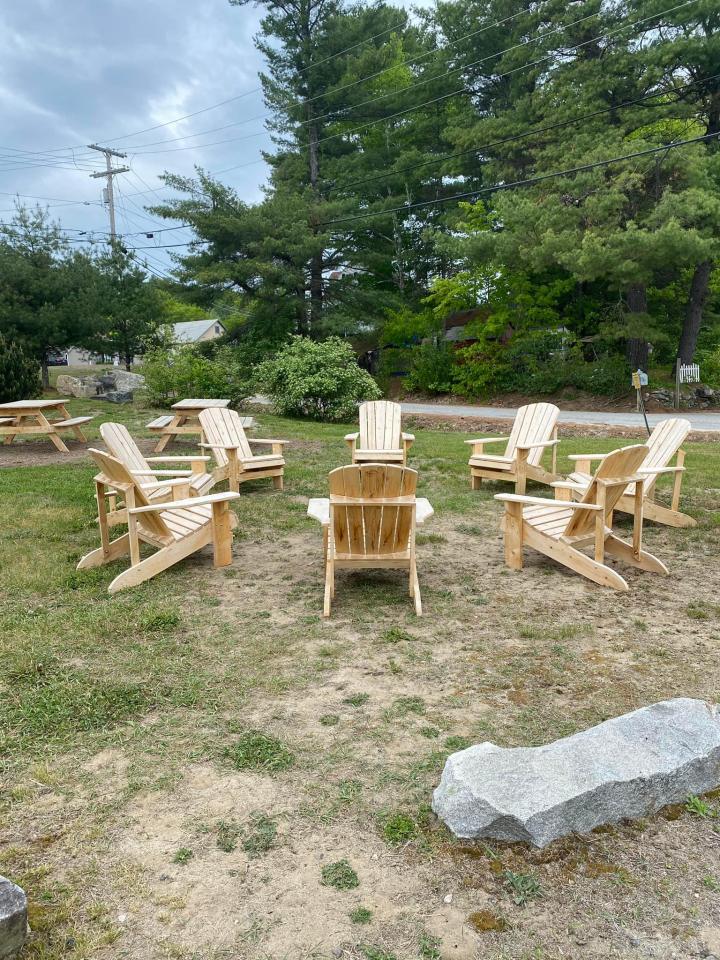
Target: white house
197	331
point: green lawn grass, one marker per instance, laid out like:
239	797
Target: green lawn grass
195	665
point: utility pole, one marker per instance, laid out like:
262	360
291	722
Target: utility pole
110	172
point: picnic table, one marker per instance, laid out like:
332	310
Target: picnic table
22	418
184	420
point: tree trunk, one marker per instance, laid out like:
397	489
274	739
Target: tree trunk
44	372
316	263
693	315
638	349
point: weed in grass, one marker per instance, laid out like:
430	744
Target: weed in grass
258	751
339	875
398	828
457	743
371	952
329	719
699	808
394	667
522	886
163	621
357	699
711	883
360	915
227	835
428	947
422	538
349	790
470	529
432	733
405	705
262	836
183	855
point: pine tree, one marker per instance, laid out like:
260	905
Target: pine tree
19	373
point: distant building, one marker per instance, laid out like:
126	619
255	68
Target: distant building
197	331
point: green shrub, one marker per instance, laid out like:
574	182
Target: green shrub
432	368
710	367
171	374
321	380
19	373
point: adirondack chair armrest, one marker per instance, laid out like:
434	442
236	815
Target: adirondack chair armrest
184	504
256	440
408	437
352	437
178	459
540	443
218	446
587	456
161	484
542	501
569	485
488	440
161	473
661	469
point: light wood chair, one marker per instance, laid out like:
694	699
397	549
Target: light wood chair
664	444
175	484
224	435
558	528
534	430
369	521
177	528
380	438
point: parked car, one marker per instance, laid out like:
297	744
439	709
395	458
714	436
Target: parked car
56	358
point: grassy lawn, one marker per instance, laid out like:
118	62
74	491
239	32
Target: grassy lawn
204	769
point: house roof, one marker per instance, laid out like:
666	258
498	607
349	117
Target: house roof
191	330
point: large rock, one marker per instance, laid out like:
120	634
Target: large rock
117	396
13	918
627	767
66	384
126	381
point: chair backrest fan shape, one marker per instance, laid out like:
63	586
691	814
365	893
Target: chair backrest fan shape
364	528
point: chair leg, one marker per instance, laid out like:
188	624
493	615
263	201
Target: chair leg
96	558
278	482
415	589
513	535
475	482
329	586
222	534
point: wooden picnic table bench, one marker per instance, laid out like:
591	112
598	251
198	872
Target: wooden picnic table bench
183	421
27	417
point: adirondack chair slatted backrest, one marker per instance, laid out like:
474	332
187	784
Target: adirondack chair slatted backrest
366	529
619	465
122	446
118	476
380	425
223	427
663	443
533	424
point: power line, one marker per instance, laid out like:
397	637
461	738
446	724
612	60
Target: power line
372	76
525	133
523	183
446	96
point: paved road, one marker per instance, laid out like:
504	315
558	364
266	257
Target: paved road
699	421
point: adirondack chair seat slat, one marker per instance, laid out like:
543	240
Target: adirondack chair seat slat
534	430
260	462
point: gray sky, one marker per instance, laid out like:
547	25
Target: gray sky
85	71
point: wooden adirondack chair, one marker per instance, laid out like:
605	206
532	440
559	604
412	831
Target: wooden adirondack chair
558	528
176	527
372	516
380	438
534	429
664	444
224	435
175	484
